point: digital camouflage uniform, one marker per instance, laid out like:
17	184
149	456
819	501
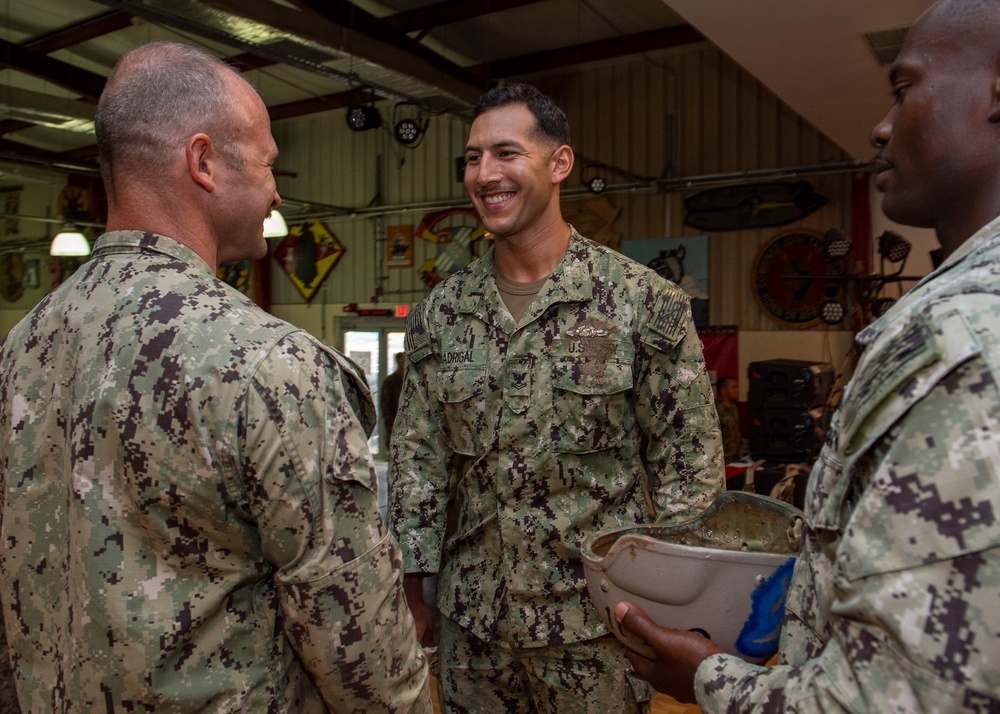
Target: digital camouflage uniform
189	513
895	602
542	424
8	691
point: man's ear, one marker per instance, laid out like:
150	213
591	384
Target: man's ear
201	157
562	163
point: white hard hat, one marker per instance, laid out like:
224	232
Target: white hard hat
724	574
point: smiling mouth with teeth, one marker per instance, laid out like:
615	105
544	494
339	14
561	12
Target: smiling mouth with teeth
497	198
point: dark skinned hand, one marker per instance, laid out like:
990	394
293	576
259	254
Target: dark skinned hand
678	653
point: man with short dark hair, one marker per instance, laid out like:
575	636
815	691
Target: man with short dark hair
546	382
187	501
894	603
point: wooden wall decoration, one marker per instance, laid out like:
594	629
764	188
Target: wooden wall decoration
308	254
758	205
457	232
787	278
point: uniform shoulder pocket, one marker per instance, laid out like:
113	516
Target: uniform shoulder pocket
905	366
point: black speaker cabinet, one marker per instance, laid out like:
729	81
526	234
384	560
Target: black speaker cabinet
788	434
788	384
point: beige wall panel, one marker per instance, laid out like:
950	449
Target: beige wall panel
710	116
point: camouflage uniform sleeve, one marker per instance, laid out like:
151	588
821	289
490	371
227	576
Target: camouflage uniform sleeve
419	456
311	487
676	410
913	616
8	688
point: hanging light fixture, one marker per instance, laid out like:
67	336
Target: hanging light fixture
409	130
836	243
69	242
597	184
880	306
832	312
406	132
362	117
893	247
274	225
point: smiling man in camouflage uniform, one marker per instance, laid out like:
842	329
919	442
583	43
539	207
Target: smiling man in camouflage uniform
189	510
895	602
542	379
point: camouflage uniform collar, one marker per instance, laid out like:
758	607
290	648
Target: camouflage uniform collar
571	281
144	241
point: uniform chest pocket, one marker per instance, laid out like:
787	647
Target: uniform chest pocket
461	393
827	489
588	403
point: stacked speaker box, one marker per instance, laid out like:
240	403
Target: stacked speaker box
789	415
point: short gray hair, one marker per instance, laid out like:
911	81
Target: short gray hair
157	96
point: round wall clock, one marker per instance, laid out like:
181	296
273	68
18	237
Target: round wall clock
789	282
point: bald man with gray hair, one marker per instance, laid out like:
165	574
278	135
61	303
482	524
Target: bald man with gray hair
187	501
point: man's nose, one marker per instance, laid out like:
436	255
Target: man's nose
883	130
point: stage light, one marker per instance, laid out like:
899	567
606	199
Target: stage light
893	247
597	184
410	121
407	132
880	306
362	117
832	312
835	243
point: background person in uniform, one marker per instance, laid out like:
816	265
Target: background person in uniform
541	379
727	395
189	511
388	402
894	602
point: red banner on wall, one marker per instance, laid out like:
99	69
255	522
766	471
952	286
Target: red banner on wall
721	351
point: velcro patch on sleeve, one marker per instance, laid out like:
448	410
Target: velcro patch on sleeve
670	316
417	343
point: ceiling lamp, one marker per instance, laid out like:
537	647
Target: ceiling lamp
274	225
69	243
597	184
362	117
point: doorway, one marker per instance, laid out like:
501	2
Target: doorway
372	345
